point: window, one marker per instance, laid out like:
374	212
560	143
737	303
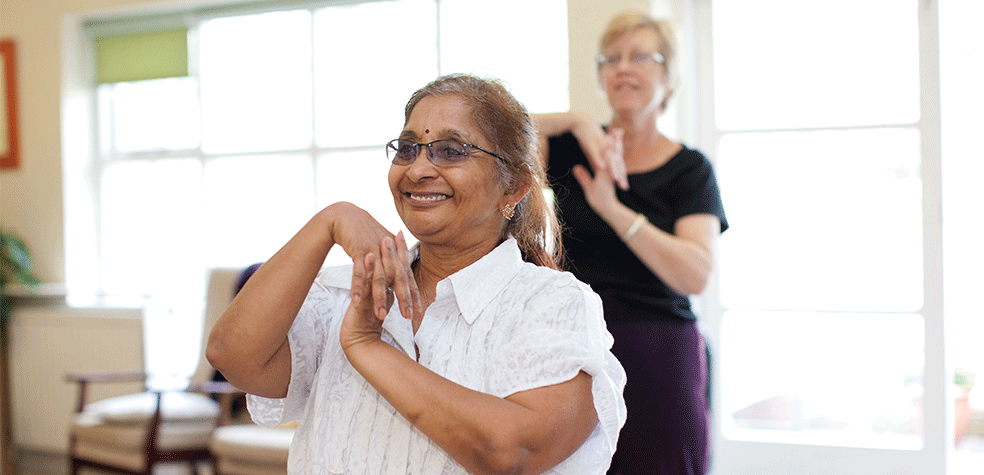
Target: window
842	149
827	251
284	112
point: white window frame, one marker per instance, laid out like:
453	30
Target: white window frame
697	125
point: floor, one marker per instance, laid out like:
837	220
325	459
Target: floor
967	460
36	463
39	463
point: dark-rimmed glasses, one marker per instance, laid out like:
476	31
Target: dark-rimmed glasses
443	153
635	59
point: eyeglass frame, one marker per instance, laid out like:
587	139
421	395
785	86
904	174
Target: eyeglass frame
429	147
635	59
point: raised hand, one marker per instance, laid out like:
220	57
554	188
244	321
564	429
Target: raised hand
362	324
604	150
360	234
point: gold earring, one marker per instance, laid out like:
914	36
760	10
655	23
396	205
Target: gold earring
509	211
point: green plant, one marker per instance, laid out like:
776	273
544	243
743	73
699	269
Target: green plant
15	266
964	378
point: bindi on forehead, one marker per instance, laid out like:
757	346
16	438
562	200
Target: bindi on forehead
427	131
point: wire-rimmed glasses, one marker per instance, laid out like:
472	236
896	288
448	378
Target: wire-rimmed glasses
443	153
637	59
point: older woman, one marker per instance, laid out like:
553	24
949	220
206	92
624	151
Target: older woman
493	361
641	227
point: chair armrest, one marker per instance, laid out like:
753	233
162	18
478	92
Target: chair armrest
215	387
107	377
225	393
83	380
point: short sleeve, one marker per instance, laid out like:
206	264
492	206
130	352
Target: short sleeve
698	190
307	337
561	332
550	344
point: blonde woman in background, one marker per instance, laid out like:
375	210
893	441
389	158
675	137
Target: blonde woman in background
642	215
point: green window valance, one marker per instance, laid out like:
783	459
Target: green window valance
140	56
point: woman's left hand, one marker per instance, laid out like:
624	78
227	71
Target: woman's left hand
373	280
599	190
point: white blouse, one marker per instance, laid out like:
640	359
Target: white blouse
499	326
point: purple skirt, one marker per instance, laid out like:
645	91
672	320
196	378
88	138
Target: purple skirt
667	427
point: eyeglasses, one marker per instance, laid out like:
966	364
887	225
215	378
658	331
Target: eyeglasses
635	59
443	153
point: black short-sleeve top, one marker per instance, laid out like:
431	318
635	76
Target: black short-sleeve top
596	255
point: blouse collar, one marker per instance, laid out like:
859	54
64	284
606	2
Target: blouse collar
475	286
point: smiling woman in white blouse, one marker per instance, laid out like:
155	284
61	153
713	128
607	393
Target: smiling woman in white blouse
491	359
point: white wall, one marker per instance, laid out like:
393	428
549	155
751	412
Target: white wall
48	342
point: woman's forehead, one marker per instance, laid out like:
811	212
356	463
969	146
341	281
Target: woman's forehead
639	36
441	117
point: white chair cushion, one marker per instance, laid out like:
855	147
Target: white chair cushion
176	406
252	444
90	430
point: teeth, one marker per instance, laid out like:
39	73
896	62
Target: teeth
428	197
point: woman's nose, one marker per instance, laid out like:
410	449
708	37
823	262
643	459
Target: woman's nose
421	167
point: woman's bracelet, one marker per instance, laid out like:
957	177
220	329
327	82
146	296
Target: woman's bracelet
640	219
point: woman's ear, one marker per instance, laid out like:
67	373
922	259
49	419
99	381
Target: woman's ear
517	194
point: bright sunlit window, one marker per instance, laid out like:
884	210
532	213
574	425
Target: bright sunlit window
283	113
819	163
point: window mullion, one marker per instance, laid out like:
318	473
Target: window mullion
939	412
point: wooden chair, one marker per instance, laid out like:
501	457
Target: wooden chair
134	433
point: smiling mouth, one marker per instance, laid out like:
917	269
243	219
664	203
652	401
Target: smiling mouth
427	198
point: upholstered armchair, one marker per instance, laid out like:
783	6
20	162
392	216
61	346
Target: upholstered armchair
134	433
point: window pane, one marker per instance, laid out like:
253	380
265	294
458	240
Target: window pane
823	378
256	82
172	339
962	73
152	115
359	178
521	42
151	214
838	62
825	220
362	90
254	205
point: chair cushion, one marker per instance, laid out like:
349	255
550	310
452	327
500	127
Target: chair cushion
123	445
236	467
89	430
253	444
176	406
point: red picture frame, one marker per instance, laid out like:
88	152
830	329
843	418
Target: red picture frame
10	141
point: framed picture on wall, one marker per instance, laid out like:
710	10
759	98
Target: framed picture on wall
9	145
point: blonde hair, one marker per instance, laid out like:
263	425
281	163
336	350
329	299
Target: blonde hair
511	132
667	45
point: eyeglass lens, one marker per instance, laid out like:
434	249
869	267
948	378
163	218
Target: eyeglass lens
636	59
440	152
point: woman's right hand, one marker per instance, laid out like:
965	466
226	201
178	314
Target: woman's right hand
604	150
359	234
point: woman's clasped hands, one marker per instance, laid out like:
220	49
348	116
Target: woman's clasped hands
607	162
380	277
